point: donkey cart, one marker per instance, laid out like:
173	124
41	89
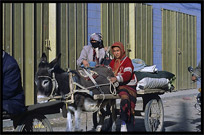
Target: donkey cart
152	109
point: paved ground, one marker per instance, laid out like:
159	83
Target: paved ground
179	115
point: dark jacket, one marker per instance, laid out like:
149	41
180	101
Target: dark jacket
13	94
197	70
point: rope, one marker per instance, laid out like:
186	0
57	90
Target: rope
114	92
101	101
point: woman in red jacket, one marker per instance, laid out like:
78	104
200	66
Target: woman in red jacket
123	70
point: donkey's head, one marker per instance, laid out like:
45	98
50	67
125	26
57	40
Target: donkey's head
46	76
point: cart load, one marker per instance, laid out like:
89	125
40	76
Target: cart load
148	77
157	80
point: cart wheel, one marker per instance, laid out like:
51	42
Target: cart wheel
107	118
154	115
34	123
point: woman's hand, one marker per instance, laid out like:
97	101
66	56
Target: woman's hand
105	48
113	79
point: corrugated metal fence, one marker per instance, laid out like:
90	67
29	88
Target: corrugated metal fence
30	29
179	46
115	26
130	24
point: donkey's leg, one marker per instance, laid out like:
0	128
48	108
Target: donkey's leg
69	121
69	118
77	115
114	114
102	115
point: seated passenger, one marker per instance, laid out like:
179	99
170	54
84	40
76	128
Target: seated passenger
92	55
196	71
123	70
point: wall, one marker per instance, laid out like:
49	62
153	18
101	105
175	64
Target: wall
188	8
94	19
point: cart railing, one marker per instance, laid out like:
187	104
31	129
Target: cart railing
139	94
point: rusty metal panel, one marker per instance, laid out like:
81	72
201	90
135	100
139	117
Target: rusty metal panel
179	46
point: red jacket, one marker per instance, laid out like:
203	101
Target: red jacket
125	75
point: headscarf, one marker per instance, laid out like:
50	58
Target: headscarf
117	61
98	38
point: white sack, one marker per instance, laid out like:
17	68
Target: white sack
151	69
152	83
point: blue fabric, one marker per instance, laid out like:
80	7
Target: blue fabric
138	64
92	64
13	94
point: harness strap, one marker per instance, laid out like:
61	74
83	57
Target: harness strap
97	86
92	79
54	83
71	86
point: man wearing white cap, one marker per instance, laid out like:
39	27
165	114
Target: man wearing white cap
92	55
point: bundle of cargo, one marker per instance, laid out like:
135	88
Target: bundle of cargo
148	77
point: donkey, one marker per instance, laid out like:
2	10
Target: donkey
52	80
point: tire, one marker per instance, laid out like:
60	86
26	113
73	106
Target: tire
34	123
107	119
154	116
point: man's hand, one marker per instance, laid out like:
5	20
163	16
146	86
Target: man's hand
85	63
113	79
193	78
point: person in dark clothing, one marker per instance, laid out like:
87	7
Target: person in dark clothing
13	94
197	72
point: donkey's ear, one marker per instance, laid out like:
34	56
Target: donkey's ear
55	61
44	57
